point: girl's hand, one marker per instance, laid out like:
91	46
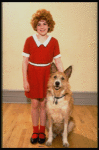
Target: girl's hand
26	86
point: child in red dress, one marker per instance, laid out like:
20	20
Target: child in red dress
38	53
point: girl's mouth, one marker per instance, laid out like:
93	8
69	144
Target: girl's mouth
42	30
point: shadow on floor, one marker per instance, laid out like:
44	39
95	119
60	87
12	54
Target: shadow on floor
28	100
75	141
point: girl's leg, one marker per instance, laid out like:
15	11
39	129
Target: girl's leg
42	118
43	112
35	116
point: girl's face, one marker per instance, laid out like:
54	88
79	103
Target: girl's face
42	27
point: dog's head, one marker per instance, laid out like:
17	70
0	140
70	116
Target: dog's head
59	80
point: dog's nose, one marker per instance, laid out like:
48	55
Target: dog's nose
57	83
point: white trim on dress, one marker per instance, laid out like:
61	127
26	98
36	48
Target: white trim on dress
38	43
40	65
57	56
25	54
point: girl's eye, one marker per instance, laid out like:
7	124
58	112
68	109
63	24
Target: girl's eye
55	77
62	78
38	24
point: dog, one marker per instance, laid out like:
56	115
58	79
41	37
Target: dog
59	105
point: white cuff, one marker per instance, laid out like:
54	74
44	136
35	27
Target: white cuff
57	56
25	54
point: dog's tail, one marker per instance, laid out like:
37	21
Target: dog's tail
71	125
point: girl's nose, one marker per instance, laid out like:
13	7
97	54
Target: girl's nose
42	26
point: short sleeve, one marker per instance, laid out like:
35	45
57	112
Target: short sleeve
56	50
26	52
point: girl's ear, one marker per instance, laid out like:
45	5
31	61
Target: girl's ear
53	68
48	28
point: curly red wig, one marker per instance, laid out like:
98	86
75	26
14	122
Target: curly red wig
42	14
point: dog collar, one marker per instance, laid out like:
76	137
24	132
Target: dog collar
56	102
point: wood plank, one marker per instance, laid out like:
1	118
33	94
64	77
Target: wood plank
17	127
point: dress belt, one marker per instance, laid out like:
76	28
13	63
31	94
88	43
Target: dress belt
40	65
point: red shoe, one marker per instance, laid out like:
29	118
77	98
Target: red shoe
34	140
41	140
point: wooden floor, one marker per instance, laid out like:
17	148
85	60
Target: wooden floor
17	127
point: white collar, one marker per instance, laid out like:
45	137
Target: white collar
38	42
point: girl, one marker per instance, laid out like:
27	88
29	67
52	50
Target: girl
38	53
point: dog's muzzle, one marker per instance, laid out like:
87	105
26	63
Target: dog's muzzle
57	85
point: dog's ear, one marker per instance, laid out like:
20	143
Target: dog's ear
68	72
53	68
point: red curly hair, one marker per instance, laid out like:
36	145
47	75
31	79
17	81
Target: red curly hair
42	14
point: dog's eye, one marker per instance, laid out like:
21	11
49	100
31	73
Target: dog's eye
62	78
55	77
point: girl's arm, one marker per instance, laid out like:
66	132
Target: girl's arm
59	64
24	70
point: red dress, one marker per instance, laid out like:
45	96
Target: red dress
40	57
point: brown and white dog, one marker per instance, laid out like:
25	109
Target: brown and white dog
59	105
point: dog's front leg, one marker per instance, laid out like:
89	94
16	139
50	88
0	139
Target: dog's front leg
50	134
65	141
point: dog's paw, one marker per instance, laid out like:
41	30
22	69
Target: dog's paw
48	143
65	144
